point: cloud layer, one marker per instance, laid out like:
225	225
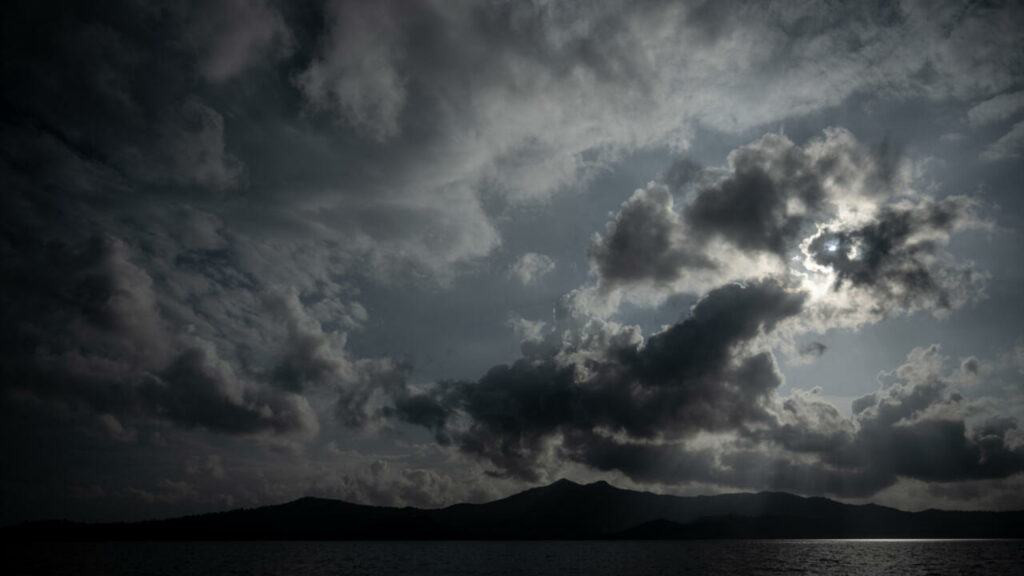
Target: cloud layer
221	223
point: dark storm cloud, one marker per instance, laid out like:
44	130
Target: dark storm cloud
899	255
644	242
683	380
750	207
776	189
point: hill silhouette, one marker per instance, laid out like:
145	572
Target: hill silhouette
562	510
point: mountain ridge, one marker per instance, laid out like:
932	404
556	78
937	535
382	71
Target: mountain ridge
558	511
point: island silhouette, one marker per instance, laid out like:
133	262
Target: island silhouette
564	510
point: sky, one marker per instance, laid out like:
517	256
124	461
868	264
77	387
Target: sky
420	253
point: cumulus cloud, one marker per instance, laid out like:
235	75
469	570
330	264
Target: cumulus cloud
602	382
645	241
916	426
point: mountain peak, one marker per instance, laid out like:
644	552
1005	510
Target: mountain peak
566	483
563	509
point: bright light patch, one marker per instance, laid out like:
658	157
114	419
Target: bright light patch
832	246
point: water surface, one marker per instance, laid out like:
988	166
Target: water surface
835	557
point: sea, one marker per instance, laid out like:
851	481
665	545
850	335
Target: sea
561	558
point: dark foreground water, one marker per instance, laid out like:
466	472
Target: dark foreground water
834	557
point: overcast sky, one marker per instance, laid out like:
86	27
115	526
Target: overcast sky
417	253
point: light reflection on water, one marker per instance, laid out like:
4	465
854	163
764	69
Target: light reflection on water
535	558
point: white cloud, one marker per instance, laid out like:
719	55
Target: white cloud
528	330
530	268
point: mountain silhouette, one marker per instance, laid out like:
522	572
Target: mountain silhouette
562	510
